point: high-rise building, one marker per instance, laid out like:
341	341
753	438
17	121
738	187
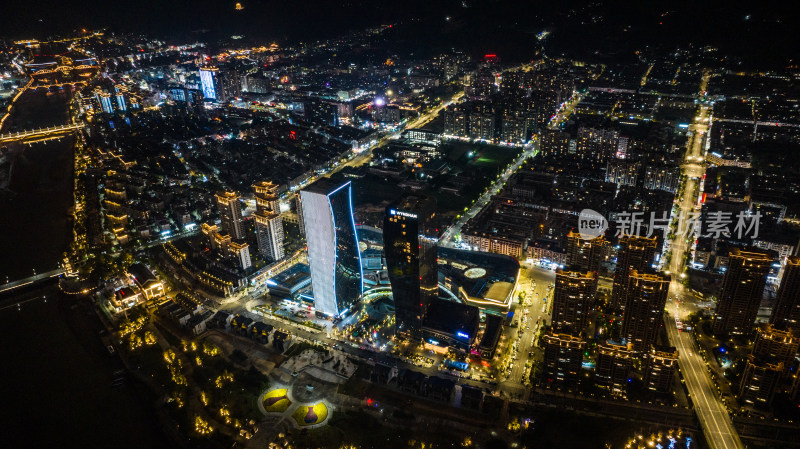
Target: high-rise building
105	102
455	121
514	127
584	255
645	298
573	297
241	252
742	290
661	364
662	177
554	143
768	365
635	253
230	213
787	306
622	172
269	224
121	106
596	144
563	357
759	382
776	346
231	83
211	84
333	252
409	243
482	122
614	366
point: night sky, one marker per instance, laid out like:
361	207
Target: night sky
762	32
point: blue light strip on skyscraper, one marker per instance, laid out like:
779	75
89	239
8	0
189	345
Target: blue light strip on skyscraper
358	247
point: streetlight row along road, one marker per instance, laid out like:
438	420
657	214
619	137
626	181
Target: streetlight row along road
712	413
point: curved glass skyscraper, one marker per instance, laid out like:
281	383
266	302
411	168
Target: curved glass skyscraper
333	253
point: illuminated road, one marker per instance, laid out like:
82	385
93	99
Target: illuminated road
365	156
712	413
535	281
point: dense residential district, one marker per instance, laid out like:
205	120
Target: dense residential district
336	244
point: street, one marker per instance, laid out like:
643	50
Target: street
536	282
713	415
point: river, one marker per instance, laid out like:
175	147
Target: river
60	385
36	183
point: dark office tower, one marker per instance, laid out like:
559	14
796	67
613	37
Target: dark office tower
409	243
759	382
614	365
645	297
742	289
661	364
635	253
230	213
563	356
786	313
584	255
333	253
231	82
572	300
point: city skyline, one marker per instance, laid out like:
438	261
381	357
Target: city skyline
400	225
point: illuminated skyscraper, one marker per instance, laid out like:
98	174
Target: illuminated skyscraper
409	242
230	213
210	84
269	225
645	297
333	252
742	290
635	253
787	307
572	299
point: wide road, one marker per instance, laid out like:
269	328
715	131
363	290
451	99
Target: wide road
712	413
536	282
